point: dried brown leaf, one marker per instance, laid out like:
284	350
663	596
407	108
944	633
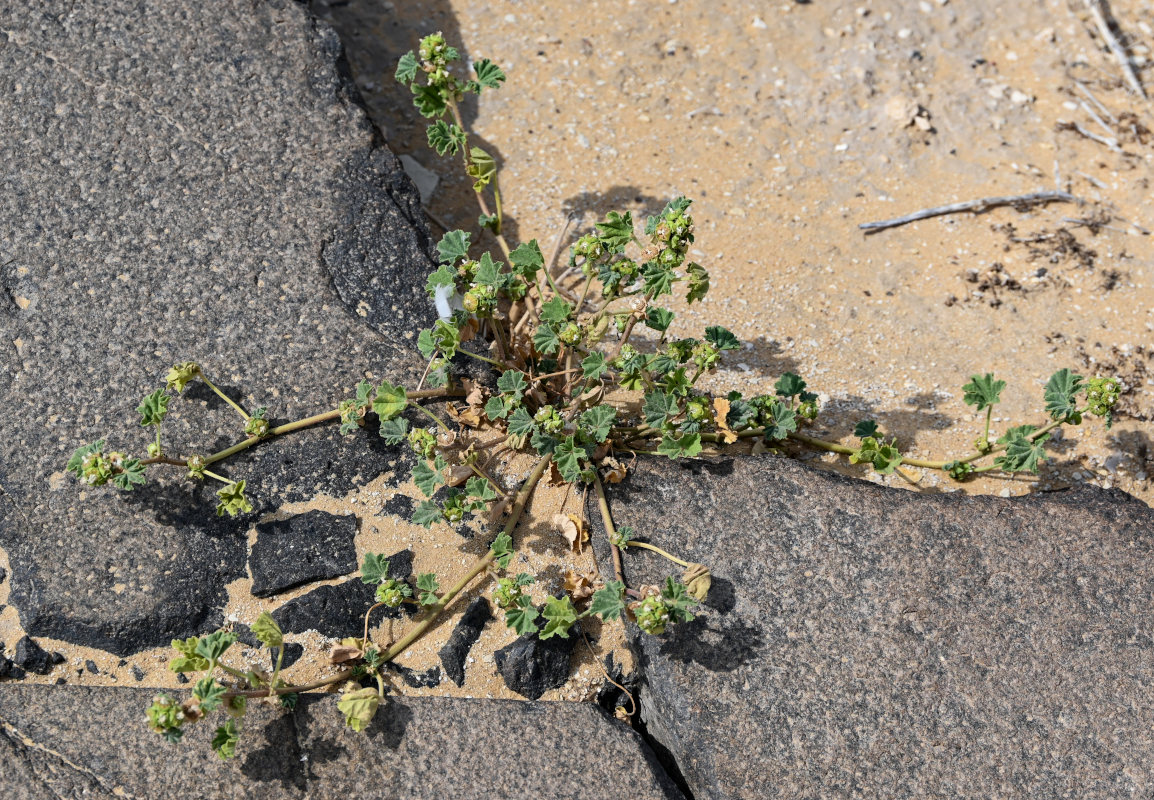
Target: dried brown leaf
720	414
578	586
612	470
572	527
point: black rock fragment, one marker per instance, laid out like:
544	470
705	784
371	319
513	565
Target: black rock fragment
308	547
464	636
530	667
33	657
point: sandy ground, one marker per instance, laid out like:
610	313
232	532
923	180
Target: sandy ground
789	125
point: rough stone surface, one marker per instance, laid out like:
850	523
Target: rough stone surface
183	181
531	667
463	637
860	641
339	610
306	547
415	747
34	658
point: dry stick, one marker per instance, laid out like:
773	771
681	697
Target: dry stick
1098	103
1102	140
478	567
976	206
604	672
1100	11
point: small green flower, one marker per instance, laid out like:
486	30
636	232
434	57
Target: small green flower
180	374
196	467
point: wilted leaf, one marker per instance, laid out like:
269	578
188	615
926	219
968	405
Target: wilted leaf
578	587
359	707
573	529
720	416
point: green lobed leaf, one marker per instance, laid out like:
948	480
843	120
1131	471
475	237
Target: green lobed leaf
556	310
446	338
512	382
76	460
268	632
224	739
426	513
658	279
1022	451
559	617
153	408
445	138
444	275
188	660
502	549
522	618
209	693
390	400
479	487
698	283
498	407
867	427
741	412
546	340
616	231
678	601
685	446
567	456
426	344
789	385
428	100
883	456
609	602
133	476
407	68
527	259
214	645
428	585
598	421
982	391
521	423
659	319
489	75
784	421
394	431
1061	392
427	477
658	408
374	569
721	338
483	167
488	272
453	247
593	366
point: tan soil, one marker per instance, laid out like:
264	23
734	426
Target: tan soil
789	125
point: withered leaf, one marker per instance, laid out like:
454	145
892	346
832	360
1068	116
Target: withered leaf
720	414
572	527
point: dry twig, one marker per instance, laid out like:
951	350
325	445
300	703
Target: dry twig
1101	17
976	206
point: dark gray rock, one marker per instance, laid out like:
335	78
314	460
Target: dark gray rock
137	673
865	641
339	610
313	546
415	747
8	668
183	181
463	637
425	679
90	665
530	667
34	658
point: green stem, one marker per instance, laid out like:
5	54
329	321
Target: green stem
610	531
220	478
659	552
456	111
223	396
481	473
279	661
488	360
480	566
304	687
986	432
431	416
159	449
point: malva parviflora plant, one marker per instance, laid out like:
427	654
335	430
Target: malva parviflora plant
572	388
